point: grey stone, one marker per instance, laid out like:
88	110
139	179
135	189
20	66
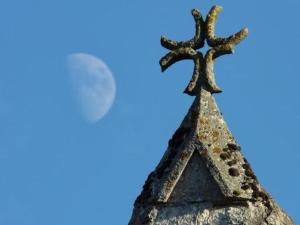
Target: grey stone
193	184
203	178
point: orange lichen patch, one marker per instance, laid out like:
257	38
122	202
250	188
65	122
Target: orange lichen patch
204	152
184	155
217	150
215	133
202	137
203	121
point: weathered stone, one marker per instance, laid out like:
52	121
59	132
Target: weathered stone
203	178
192	183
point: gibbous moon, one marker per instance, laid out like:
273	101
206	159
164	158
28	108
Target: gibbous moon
93	85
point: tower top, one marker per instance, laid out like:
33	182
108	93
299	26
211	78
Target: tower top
203	177
203	75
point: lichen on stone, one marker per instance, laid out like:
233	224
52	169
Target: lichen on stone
203	177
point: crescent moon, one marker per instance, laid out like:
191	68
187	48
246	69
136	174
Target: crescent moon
93	85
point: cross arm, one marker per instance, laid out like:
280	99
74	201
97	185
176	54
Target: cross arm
212	40
210	56
195	43
182	54
177	55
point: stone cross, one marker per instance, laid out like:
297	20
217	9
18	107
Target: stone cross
203	75
203	177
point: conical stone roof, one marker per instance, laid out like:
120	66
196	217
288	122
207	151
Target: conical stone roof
203	177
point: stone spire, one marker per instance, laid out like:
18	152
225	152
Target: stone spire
203	177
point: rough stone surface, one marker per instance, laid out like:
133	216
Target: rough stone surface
203	178
207	214
194	181
193	184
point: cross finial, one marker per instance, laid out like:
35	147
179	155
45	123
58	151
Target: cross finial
203	65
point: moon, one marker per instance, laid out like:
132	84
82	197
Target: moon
93	85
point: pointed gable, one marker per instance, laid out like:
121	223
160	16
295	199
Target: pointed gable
202	145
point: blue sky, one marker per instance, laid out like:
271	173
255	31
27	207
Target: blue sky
57	169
